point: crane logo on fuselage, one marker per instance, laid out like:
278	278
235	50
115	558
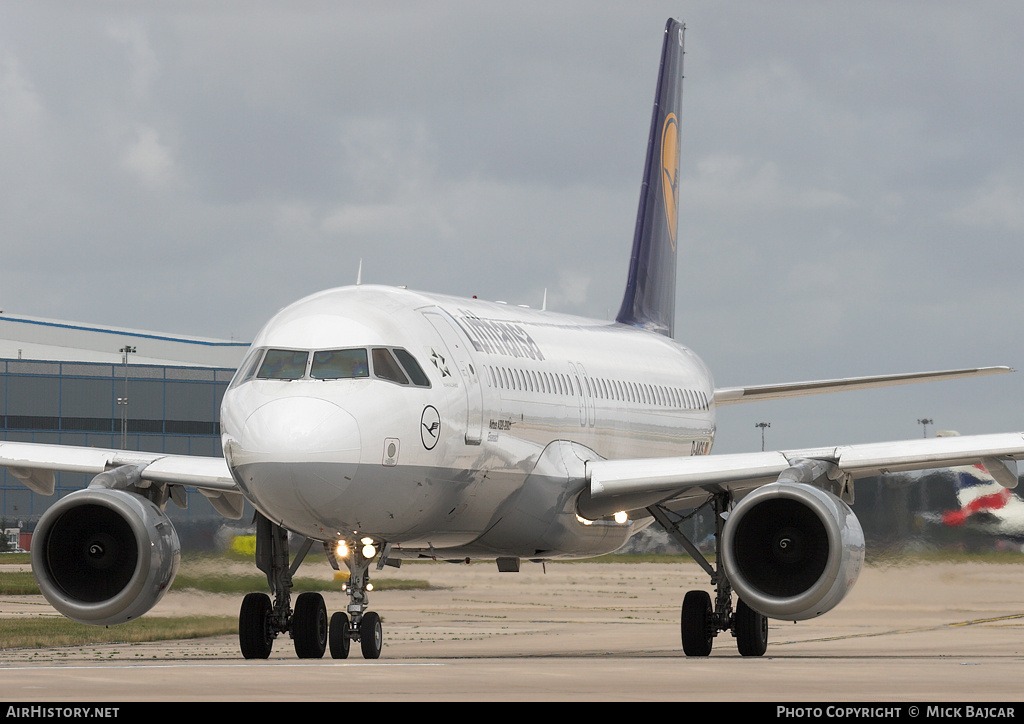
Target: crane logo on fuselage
430	427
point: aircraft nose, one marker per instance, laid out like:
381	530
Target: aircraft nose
300	428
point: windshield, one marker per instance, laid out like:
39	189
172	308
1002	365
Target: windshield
336	364
393	364
283	364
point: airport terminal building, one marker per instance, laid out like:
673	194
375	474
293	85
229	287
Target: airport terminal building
105	387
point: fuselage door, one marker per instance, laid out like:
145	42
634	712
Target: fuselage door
458	351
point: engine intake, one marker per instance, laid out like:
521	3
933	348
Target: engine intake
792	551
104	557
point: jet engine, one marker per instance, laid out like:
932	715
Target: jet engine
103	556
791	550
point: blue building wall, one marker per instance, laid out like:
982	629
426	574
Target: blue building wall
170	409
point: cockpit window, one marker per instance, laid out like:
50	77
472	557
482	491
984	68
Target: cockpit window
419	378
385	367
393	364
283	364
337	364
248	368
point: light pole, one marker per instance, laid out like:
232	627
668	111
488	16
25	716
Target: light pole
762	425
123	401
925	422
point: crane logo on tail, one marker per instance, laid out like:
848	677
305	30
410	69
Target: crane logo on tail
670	173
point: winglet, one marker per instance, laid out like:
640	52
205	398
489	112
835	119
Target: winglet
650	297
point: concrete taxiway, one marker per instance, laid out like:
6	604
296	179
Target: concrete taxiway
577	632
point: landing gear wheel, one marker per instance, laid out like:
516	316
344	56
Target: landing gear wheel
751	629
255	636
338	636
371	635
309	626
696	623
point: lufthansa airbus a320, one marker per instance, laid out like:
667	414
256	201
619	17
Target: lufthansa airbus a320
384	424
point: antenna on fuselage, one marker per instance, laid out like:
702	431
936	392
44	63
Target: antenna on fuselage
359	274
544	302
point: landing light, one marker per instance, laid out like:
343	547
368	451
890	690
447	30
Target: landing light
369	551
621	517
342	549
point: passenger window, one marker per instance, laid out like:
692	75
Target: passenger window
385	367
283	364
337	364
412	367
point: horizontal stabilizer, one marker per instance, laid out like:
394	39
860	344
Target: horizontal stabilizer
733	395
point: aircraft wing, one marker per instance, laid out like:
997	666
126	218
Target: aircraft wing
35	465
733	395
634	484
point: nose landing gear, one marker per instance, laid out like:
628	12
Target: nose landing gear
357	624
260	620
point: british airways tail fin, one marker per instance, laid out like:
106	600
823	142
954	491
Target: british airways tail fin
650	297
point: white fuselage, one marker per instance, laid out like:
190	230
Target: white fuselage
481	451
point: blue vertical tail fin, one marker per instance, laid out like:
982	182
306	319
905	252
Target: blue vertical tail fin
650	296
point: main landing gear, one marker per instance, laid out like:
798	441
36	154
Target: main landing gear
260	620
700	620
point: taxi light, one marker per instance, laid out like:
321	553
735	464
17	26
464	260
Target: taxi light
369	551
621	517
342	549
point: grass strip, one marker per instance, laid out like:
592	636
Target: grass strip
213	583
53	631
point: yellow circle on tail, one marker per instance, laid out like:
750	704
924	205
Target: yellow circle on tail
670	173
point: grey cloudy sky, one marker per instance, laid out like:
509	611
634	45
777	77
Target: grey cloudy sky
852	194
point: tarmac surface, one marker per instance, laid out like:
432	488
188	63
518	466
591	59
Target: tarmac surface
583	632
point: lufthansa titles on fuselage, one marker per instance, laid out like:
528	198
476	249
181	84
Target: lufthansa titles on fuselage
497	337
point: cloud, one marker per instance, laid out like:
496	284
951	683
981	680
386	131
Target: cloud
998	204
148	158
852	178
728	182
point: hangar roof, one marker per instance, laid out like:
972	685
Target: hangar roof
33	338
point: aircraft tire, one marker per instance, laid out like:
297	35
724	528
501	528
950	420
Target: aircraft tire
255	637
371	635
338	636
696	625
309	626
751	629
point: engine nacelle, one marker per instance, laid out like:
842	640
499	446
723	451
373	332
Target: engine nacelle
104	557
792	551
